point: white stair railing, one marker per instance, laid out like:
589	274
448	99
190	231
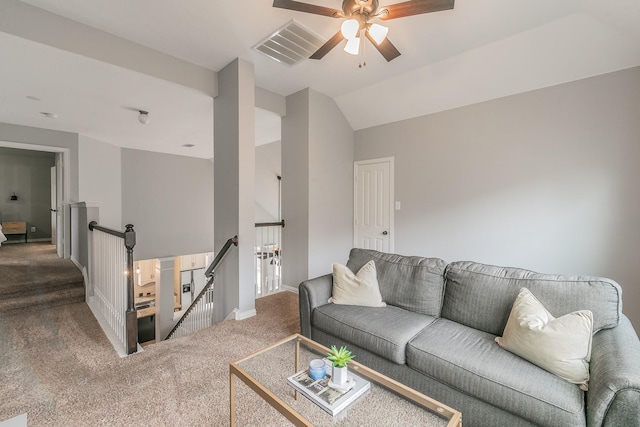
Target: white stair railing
111	267
268	258
200	317
200	313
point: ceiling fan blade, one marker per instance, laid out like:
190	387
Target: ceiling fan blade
325	48
386	48
414	7
309	8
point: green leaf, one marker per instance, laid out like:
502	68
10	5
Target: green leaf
340	357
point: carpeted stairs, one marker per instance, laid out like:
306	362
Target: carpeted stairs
32	277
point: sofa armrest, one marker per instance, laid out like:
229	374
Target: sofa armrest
613	398
313	293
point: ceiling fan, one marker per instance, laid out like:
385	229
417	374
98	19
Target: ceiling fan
357	14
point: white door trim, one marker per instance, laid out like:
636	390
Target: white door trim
64	188
356	165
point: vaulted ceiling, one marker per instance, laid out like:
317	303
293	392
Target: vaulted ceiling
478	51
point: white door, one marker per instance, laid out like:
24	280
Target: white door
373	210
54	206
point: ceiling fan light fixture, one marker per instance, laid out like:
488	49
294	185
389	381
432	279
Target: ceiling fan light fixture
361	11
378	32
352	46
350	28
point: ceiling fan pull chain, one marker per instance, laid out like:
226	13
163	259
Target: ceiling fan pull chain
364	54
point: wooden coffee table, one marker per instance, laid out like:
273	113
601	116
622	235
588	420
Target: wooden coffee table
387	403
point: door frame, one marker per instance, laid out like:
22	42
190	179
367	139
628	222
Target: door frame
53	203
63	246
356	165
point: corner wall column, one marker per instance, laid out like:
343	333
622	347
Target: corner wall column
234	188
317	186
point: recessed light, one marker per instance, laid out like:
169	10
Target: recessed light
33	98
49	115
188	145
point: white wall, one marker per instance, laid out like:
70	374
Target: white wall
268	168
100	179
169	200
36	24
545	180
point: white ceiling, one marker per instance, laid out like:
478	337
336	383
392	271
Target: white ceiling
478	51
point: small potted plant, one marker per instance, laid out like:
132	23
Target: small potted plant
340	358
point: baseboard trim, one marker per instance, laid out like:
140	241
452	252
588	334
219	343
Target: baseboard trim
85	275
241	315
290	289
111	335
76	262
12	241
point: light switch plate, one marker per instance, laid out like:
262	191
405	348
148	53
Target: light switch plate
397	206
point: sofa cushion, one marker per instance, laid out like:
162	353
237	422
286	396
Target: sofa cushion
412	283
560	345
470	362
384	331
481	296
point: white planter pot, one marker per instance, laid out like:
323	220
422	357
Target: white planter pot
339	375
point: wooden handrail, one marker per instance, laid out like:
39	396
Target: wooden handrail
210	271
270	224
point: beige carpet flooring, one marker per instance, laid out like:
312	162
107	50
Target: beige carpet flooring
32	277
57	366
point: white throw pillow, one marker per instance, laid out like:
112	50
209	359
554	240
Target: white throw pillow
561	346
356	289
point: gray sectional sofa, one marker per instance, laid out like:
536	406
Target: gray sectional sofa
437	335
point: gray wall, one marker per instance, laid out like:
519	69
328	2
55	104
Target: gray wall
295	189
82	214
47	138
52	140
331	157
234	187
317	186
169	200
268	168
545	180
101	179
28	174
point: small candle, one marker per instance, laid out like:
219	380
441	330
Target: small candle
317	369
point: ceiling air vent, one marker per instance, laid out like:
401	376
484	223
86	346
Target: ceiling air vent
290	44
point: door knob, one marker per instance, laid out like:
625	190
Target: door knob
384	233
